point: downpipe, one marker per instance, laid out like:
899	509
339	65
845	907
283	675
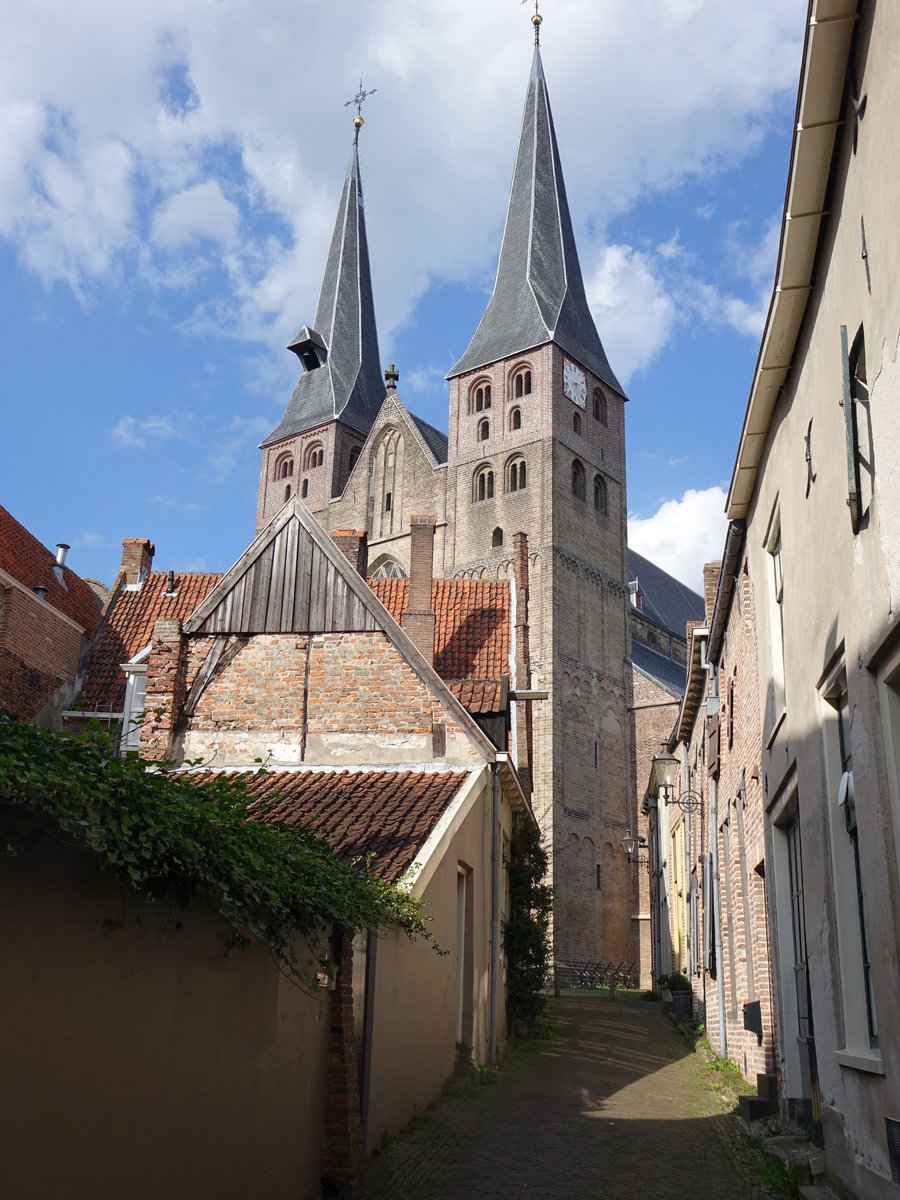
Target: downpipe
495	912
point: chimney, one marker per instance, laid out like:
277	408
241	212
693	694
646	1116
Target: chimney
711	573
61	551
137	559
355	548
418	620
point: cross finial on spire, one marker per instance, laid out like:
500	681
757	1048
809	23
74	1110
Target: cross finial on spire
536	21
358	99
392	376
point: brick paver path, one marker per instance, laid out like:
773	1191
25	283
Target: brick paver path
616	1108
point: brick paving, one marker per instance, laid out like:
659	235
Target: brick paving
616	1107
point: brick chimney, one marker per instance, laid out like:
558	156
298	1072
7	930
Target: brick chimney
355	548
711	573
523	718
418	620
137	558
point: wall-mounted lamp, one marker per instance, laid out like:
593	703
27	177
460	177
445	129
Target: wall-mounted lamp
663	774
633	847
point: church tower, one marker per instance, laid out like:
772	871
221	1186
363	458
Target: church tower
537	443
314	447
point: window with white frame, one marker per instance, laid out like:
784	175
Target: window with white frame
135	692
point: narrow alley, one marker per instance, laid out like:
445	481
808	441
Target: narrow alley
613	1106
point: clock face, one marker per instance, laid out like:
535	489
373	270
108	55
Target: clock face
574	384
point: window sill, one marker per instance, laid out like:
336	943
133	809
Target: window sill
861	1060
776	728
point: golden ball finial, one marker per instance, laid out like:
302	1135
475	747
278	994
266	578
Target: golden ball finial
358	122
536	19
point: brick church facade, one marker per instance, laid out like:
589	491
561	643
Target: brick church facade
536	445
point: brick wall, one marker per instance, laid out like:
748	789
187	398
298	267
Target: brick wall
39	652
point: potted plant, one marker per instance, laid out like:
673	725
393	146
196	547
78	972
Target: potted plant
682	997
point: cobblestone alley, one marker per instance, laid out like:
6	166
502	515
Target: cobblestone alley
616	1107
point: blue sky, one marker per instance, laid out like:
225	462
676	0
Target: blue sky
169	176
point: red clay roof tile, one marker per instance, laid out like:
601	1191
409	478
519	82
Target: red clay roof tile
129	628
386	814
30	562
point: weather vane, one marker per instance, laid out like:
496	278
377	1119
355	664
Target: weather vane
358	99
536	21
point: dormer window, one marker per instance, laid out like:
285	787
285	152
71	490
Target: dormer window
484	430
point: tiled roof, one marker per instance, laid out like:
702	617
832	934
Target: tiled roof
129	628
388	814
666	601
31	563
472	624
480	696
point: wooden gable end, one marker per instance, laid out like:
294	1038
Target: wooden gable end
288	581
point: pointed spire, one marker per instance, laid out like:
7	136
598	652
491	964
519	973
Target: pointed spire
539	293
342	378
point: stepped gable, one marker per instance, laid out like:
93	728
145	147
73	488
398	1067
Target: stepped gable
539	293
349	385
30	563
386	814
128	629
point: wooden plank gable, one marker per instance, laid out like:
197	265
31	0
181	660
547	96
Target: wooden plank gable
293	579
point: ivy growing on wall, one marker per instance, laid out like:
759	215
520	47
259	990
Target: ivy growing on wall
526	935
163	835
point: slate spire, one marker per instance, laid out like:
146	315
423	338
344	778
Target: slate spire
342	367
538	294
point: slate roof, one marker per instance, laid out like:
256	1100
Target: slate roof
388	814
436	441
30	562
666	601
350	384
539	293
666	671
472	635
129	628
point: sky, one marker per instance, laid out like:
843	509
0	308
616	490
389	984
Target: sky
169	176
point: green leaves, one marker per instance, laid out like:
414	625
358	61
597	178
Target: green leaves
190	838
526	934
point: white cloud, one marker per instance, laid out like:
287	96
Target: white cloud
142	431
683	534
144	126
630	304
197	212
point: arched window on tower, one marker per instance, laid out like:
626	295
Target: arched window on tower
284	467
522	384
483	484
354	457
304	488
484	430
497	538
480	399
515	475
576	423
515	419
601	496
578	489
600	410
287	493
314	456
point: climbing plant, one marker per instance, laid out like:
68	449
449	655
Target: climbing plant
166	835
526	934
